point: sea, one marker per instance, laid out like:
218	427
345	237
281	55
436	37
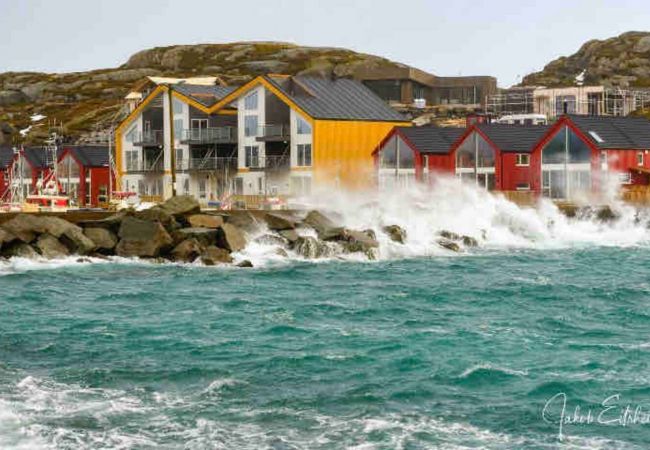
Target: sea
536	339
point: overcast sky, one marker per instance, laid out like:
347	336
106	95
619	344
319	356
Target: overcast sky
503	38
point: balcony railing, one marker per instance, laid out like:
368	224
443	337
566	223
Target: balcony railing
209	135
270	132
147	138
211	163
145	166
269	162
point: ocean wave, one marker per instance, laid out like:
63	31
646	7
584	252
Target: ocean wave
490	372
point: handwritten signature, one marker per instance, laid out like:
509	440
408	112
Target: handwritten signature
610	412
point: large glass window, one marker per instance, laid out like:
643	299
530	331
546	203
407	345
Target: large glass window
178	106
304	154
251	101
566	166
252	156
388	155
565	104
303	125
476	162
250	126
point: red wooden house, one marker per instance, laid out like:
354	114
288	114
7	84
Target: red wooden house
6	160
408	154
585	154
84	174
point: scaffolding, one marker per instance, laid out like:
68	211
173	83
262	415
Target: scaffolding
571	100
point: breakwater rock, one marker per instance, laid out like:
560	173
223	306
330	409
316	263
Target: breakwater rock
178	231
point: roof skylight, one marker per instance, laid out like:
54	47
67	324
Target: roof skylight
596	137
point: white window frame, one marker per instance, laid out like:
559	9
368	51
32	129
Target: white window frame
301	151
523	160
249	160
640	159
251	101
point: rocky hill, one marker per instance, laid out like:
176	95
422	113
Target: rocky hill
90	101
622	61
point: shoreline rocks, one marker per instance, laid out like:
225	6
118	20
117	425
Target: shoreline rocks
177	231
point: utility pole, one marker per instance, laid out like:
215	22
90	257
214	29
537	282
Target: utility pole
171	137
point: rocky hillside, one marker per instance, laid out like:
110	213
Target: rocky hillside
89	101
622	61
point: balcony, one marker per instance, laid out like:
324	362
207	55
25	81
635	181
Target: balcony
146	166
274	133
148	138
210	163
197	136
269	163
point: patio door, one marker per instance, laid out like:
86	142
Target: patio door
199	128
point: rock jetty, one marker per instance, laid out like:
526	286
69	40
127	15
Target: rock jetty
179	231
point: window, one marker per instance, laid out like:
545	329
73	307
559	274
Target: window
304	154
239	186
301	185
202	188
178	106
132	160
596	137
180	163
523	187
523	159
131	135
250	102
625	178
141	187
178	128
565	104
260	185
186	186
302	125
252	156
639	159
250	126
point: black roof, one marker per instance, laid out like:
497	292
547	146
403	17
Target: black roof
206	95
38	156
514	138
91	155
335	98
615	132
6	156
431	139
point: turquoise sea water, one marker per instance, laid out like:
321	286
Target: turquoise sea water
442	352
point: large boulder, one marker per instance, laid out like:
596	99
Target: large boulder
142	238
449	245
76	241
23	227
243	220
214	255
325	228
6	238
231	238
19	250
277	221
205	221
272	239
157	214
104	239
290	235
311	248
446	234
50	247
187	251
204	236
395	233
181	205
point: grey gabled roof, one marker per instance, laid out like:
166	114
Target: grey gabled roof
6	156
90	155
336	99
205	95
615	132
514	138
38	156
431	139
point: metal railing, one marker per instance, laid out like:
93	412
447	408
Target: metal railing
152	137
209	135
143	165
269	162
212	163
274	131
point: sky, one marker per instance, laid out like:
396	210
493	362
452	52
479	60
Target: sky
503	38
